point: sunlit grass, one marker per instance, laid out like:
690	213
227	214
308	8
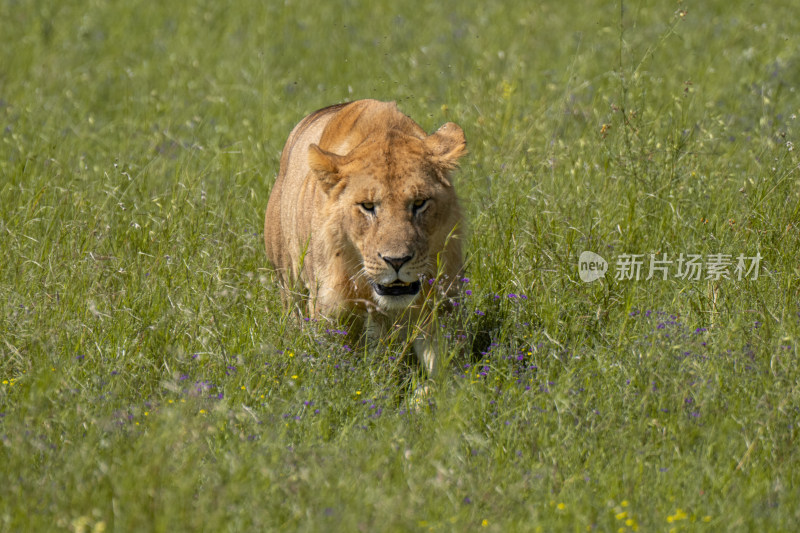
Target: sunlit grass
149	379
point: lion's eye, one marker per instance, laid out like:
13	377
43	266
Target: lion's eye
369	207
420	204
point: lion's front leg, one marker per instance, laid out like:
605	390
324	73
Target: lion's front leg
423	342
427	354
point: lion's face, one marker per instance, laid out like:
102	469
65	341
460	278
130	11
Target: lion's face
397	223
396	210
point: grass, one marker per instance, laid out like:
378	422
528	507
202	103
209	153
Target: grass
151	381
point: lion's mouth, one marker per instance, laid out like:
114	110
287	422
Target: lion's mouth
397	288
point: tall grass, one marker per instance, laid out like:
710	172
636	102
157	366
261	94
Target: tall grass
152	381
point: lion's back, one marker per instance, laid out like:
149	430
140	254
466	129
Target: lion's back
288	218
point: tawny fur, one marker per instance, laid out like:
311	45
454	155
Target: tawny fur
320	237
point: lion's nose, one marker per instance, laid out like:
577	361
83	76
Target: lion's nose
396	262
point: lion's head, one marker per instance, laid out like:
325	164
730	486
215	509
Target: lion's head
391	210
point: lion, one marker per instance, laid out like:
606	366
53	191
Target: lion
363	217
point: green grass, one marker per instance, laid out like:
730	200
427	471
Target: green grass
151	380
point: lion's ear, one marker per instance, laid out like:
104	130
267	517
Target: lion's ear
446	147
325	165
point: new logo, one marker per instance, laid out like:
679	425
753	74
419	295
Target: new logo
591	267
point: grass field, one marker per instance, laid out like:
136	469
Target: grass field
152	382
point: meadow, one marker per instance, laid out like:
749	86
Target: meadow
151	381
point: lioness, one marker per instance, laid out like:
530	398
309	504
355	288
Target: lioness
363	214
